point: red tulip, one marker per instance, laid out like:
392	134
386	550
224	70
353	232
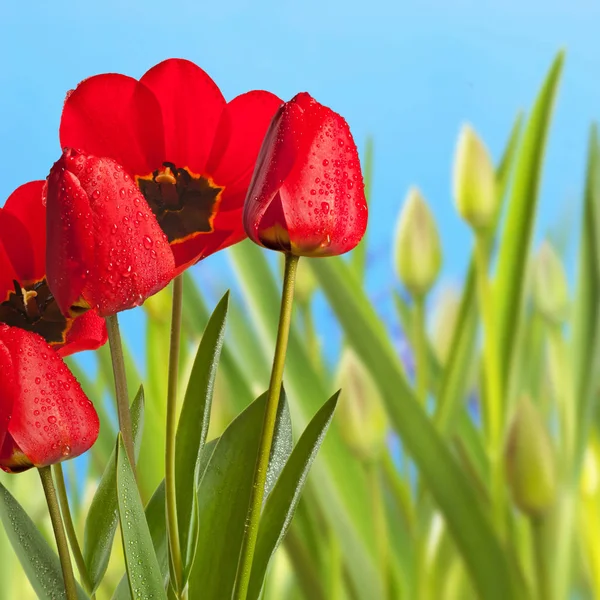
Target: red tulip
105	249
45	417
307	193
191	153
25	298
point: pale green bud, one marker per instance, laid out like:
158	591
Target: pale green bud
446	311
530	464
550	288
475	191
362	418
418	252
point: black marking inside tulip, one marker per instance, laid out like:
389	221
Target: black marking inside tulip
185	204
34	308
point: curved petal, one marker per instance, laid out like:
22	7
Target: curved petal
24	235
7	274
70	248
191	106
9	389
52	419
115	116
88	332
242	128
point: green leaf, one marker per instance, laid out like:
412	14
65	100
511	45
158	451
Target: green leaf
516	237
143	569
586	327
223	500
281	504
39	561
194	420
102	519
155	516
487	561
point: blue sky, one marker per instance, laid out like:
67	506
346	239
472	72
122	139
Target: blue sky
407	73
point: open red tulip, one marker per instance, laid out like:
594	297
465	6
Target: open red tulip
45	417
307	193
25	298
105	249
190	152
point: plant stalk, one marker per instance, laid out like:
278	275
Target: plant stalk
268	430
121	393
493	397
59	532
170	487
420	348
70	529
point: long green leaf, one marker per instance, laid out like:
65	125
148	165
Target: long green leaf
143	569
195	417
39	561
228	476
281	504
516	237
102	518
488	564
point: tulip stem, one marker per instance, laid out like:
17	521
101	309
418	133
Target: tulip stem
420	349
122	395
266	439
540	548
70	529
59	532
493	394
170	497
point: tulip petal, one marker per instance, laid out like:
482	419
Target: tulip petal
9	387
23	231
52	419
7	274
115	116
242	127
87	332
70	251
191	106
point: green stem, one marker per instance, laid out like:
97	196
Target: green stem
70	529
540	548
268	430
170	489
380	525
122	396
493	397
420	346
59	532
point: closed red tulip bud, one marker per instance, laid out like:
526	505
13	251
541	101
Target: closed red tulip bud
105	248
45	417
307	194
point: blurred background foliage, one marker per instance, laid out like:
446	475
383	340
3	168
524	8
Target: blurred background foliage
414	494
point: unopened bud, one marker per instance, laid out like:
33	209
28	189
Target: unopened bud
475	191
550	289
530	465
418	253
361	416
445	316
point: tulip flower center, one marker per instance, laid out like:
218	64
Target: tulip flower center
34	308
184	203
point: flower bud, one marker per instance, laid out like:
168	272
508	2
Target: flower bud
445	316
550	289
361	415
307	193
418	254
475	191
530	464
